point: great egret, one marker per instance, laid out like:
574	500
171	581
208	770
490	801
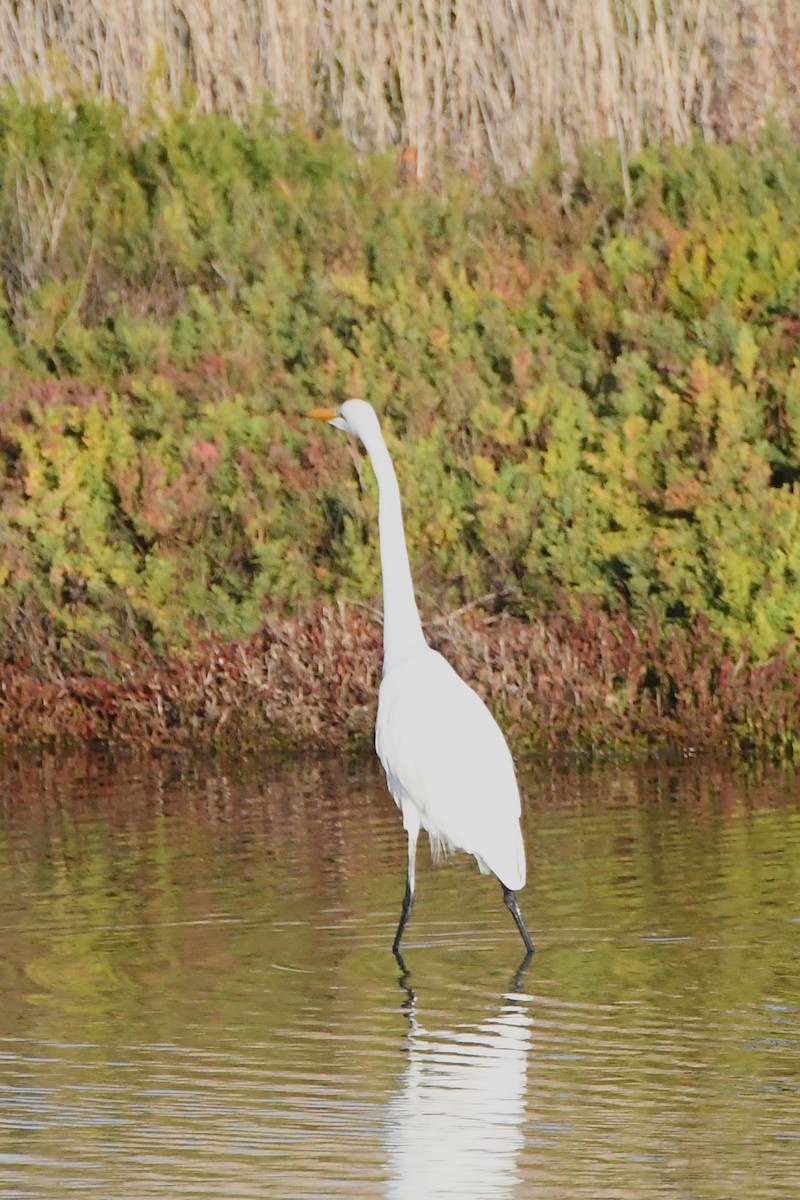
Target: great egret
447	764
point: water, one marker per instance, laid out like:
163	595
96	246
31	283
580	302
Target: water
197	998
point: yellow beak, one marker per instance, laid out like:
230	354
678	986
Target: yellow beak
322	414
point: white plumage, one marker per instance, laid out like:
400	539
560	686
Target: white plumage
447	763
444	754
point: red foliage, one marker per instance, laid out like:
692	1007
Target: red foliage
586	682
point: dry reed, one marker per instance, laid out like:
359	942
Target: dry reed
476	82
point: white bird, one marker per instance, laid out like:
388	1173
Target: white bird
447	764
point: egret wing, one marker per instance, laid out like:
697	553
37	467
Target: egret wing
444	753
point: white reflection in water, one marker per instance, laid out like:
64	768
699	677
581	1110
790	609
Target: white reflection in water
456	1124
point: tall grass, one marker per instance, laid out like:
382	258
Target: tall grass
479	82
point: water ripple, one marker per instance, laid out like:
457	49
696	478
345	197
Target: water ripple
197	997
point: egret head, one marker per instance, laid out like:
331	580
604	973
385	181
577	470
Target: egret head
355	417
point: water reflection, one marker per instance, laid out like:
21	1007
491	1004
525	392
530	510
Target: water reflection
456	1125
197	996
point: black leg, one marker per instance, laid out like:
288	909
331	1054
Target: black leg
411	823
408	904
513	907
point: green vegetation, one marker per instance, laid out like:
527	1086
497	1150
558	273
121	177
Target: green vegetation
594	410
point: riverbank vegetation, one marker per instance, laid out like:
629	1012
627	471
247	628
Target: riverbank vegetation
593	402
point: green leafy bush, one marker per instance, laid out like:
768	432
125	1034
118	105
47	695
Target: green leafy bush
598	406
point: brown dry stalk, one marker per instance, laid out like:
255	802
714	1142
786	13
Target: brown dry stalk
475	81
583	682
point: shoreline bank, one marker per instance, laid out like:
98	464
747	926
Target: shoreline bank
588	684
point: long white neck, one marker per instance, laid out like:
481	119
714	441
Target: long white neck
402	628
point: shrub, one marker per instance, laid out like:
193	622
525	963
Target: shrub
594	407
